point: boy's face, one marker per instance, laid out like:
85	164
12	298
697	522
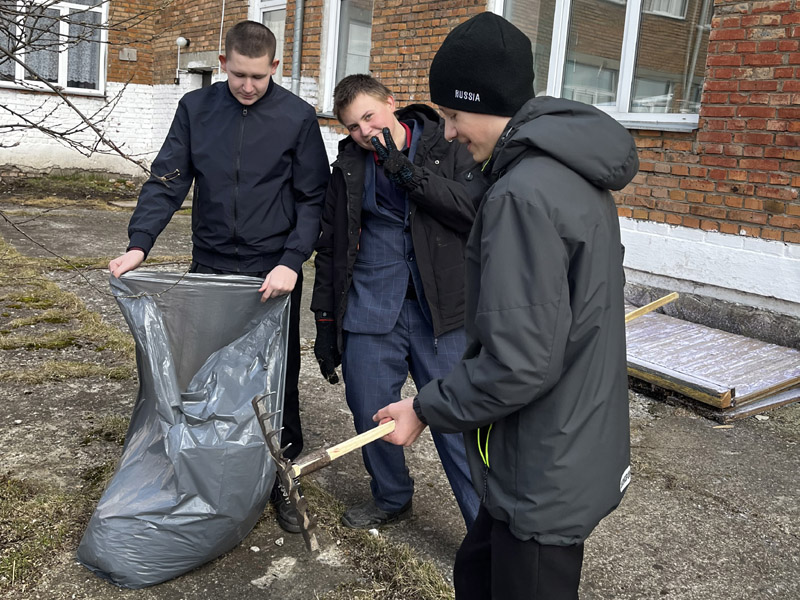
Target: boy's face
248	78
366	116
479	131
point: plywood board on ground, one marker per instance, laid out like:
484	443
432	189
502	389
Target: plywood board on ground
718	368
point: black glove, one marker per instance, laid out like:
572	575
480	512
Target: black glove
399	170
326	349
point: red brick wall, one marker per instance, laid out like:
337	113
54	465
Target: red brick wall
129	29
739	173
405	36
199	23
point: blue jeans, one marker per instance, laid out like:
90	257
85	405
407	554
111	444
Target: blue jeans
375	368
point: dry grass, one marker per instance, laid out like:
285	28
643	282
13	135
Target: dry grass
386	570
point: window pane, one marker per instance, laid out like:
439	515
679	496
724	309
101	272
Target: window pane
41	44
671	56
594	46
355	38
535	18
7	66
83	55
276	21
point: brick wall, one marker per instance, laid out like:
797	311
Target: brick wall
405	36
739	173
198	22
130	28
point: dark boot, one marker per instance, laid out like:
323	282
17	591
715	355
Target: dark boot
285	513
368	516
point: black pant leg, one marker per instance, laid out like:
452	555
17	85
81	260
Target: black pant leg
472	575
492	564
531	570
292	430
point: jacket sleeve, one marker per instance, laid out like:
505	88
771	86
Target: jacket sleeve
451	200
171	176
310	178
322	298
521	326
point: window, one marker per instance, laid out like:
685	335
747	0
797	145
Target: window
60	43
349	44
273	15
623	57
667	8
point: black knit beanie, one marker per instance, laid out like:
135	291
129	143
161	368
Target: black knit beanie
484	65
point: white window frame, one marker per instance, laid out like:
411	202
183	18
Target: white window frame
331	58
64	7
255	12
627	67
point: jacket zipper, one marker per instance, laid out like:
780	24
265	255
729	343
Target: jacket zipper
236	189
483	450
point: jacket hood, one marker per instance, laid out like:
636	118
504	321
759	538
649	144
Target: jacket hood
583	138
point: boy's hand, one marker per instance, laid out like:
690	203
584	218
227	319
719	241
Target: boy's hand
279	282
127	262
399	170
408	427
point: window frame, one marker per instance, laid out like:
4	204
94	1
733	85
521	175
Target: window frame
331	63
64	6
256	13
627	69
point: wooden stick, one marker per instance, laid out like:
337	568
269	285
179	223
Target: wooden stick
651	307
321	458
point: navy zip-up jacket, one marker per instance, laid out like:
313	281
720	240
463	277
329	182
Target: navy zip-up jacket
260	174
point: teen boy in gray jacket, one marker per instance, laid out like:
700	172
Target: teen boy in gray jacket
541	392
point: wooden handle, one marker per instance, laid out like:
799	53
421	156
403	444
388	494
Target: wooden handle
650	307
317	460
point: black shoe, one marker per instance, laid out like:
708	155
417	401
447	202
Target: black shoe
285	513
368	516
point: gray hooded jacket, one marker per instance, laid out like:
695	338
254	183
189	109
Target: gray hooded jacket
541	392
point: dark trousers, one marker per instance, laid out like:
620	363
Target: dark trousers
492	564
292	430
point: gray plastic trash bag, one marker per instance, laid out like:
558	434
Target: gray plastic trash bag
195	474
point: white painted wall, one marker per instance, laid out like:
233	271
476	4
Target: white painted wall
134	117
760	273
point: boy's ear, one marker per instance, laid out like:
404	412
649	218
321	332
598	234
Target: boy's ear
222	61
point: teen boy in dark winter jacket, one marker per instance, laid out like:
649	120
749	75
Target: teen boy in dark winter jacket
389	286
541	392
256	156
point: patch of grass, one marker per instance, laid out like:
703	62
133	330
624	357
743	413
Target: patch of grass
55	340
53	316
60	370
34	291
110	429
35	522
386	570
74	189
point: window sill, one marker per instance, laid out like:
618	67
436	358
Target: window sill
35	89
656	121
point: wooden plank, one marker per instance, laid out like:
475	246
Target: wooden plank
688	357
642	310
700	389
